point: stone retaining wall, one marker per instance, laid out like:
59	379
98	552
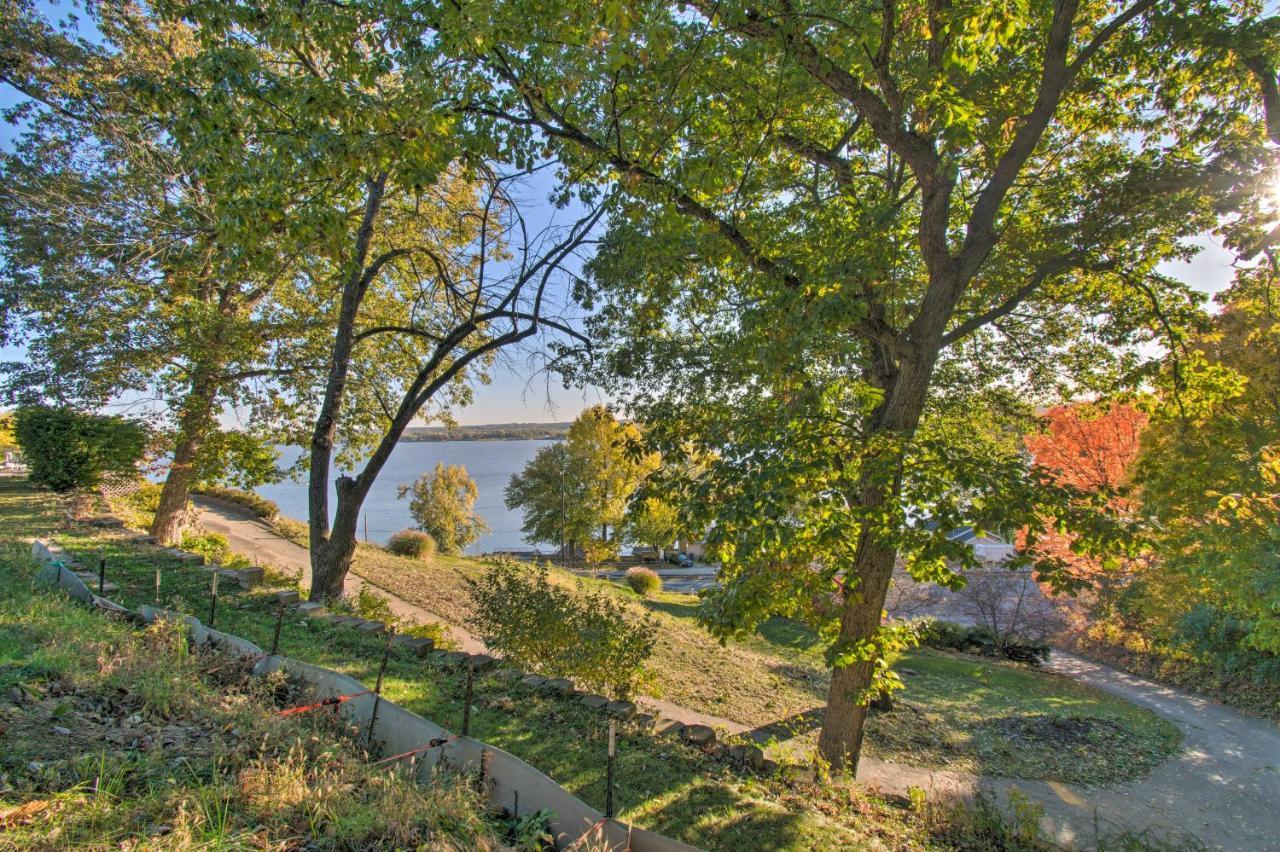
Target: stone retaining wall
510	782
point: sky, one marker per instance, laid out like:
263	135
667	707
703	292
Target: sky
521	391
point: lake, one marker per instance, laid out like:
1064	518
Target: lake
490	463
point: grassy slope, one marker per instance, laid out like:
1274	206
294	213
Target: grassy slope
660	784
967	713
114	736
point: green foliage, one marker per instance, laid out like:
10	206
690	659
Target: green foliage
558	630
413	543
652	521
643	581
443	504
67	449
214	548
975	639
260	506
578	491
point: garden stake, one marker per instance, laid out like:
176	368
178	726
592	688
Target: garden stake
608	776
213	599
102	574
466	707
275	639
157	585
377	689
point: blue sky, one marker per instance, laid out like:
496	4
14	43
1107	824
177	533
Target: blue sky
521	392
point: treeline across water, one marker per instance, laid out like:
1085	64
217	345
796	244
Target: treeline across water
493	432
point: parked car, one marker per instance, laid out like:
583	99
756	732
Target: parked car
680	559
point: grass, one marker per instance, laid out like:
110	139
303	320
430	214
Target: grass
112	736
660	784
963	713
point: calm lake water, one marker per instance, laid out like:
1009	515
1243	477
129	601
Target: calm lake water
490	463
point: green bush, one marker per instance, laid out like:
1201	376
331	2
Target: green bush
414	544
559	631
643	581
974	639
214	548
370	605
260	506
66	449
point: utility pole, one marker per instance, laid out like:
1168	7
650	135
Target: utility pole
564	558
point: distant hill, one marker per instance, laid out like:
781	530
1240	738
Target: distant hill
488	432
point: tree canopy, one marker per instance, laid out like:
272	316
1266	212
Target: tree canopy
442	502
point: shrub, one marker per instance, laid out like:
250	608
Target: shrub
370	605
414	544
559	631
214	548
976	639
643	581
66	449
260	506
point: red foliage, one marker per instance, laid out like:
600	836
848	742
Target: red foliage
1092	449
1088	448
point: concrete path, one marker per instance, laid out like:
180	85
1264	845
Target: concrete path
1223	787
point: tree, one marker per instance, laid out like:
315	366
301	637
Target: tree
113	274
831	213
577	492
542	491
1091	447
334	124
1208	478
443	504
67	449
652	521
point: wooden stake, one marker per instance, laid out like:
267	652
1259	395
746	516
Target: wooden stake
466	706
213	599
608	776
377	689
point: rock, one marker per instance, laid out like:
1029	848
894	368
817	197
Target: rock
482	662
668	726
61	731
371	626
533	681
698	735
643	720
249	577
560	686
420	646
747	755
312	609
768	767
621	709
454	658
143	539
509	674
595	702
287	597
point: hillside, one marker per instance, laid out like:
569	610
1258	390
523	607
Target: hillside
113	736
487	432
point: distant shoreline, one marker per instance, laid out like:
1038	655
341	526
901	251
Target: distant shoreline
488	432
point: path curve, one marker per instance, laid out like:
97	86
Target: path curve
1223	787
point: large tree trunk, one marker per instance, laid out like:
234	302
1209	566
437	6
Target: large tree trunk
867	581
193	427
329	560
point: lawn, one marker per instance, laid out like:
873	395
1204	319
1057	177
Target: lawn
958	712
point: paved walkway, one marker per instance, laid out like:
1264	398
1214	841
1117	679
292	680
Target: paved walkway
1223	787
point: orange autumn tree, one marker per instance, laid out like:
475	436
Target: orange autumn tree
1090	446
